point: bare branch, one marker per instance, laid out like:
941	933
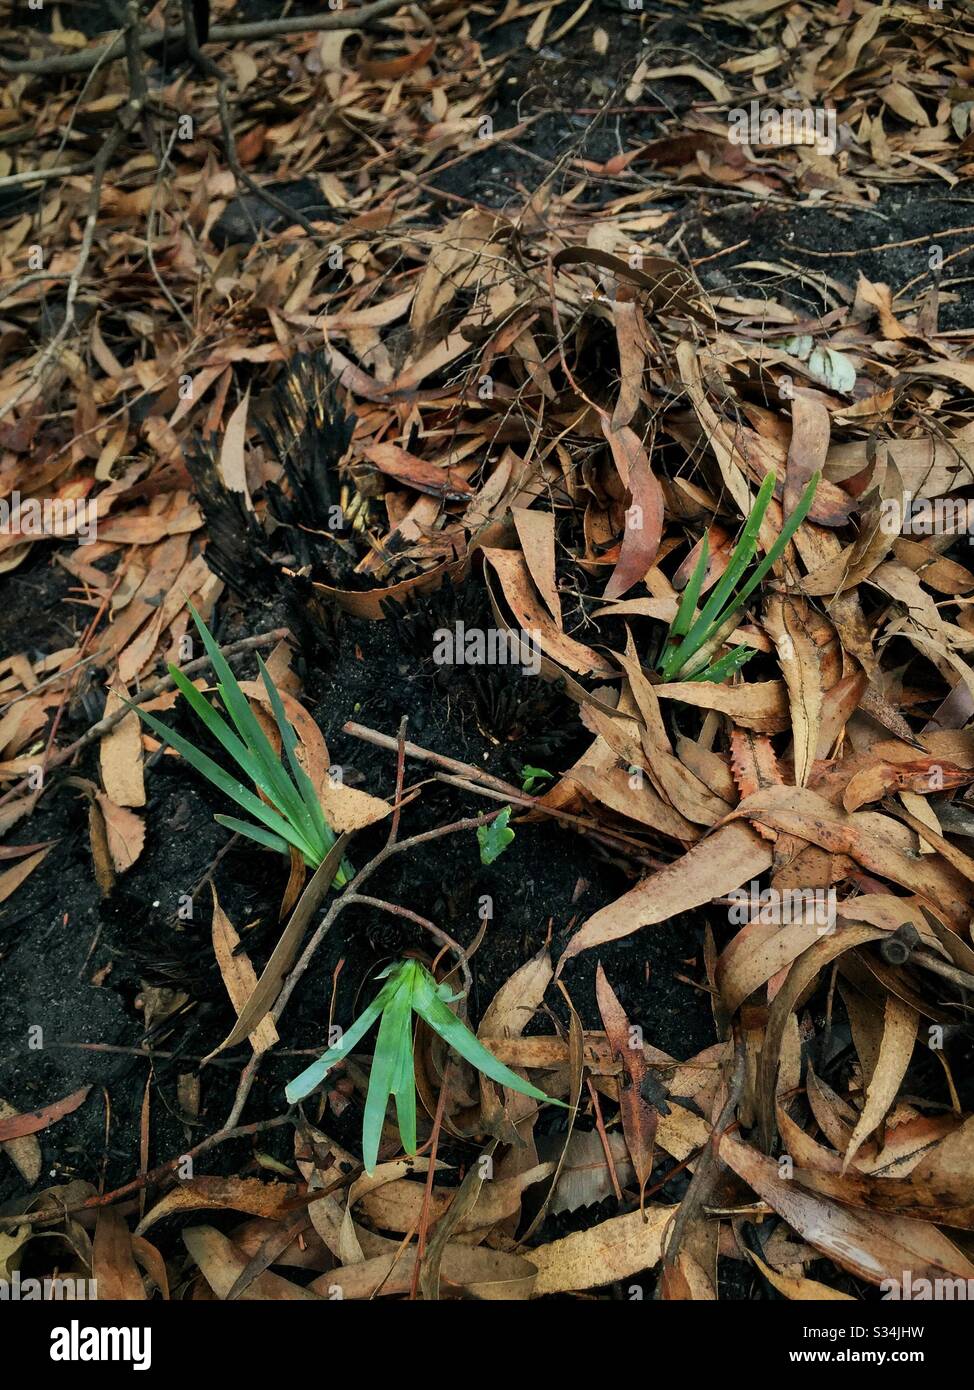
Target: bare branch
220	33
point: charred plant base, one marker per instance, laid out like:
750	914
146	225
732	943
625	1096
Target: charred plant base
91	973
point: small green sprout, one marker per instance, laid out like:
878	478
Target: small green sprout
531	776
409	989
288	808
495	837
694	637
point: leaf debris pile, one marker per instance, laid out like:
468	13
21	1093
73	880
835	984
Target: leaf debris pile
544	399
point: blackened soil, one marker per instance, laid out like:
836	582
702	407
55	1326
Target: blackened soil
78	970
574	101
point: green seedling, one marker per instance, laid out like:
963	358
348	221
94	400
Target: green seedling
287	809
531	776
495	837
409	989
694	636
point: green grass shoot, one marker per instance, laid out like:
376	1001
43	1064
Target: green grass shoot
409	989
695	636
287	814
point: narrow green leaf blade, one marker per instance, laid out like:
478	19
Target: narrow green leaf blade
712	610
215	722
289	742
305	1082
387	1064
404	1089
273	779
220	778
254	832
691	592
688	603
727	665
785	535
431	1008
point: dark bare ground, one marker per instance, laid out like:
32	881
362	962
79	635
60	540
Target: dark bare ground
76	966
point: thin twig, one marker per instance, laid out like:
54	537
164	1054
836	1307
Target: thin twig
466	773
446	941
706	1169
63	171
220	33
349	898
144	1180
210	69
400	777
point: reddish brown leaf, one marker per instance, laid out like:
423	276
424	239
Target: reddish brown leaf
639	1118
32	1121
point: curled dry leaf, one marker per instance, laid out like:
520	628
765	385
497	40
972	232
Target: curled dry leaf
639	1117
11	879
264	994
805	1290
798	657
272	1200
761	705
221	1263
721	862
113	1261
922	776
120	757
532	617
125	833
238	974
895	1050
644	515
536	533
15	1126
494	1275
876	842
23	1152
870	1245
615	1249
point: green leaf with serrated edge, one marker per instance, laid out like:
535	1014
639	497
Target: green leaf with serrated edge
495	837
433	1011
